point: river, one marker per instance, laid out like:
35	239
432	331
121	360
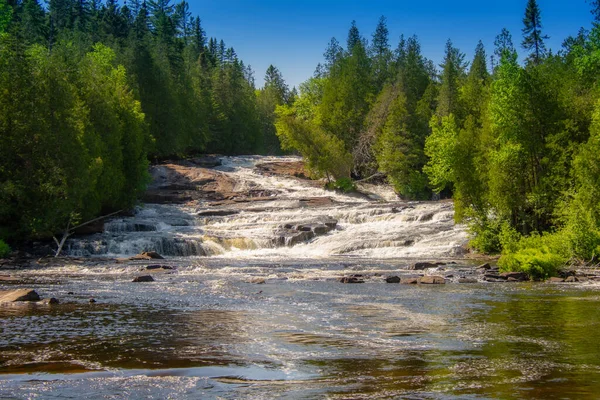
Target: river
208	329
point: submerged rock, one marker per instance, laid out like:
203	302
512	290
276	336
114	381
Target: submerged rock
352	279
160	267
147	255
393	279
49	302
419	266
432	280
409	281
13	296
145	278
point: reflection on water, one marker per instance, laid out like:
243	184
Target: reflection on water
206	333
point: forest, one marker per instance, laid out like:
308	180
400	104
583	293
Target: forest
91	92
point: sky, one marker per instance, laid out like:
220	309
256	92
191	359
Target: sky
292	35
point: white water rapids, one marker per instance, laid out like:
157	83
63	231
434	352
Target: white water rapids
374	224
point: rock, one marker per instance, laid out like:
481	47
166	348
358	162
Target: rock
393	279
467	280
147	255
218	213
352	279
484	267
49	302
494	276
92	301
258	281
514	276
432	280
419	266
145	278
157	267
555	279
12	296
285	168
409	281
206	161
572	279
9	279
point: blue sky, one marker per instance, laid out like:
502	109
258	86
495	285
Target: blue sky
292	35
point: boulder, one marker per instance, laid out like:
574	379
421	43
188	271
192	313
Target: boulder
12	296
555	279
147	255
432	280
48	302
484	267
409	281
160	267
515	276
144	278
393	279
352	279
257	281
572	279
419	266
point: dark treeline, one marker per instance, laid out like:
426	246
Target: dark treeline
517	145
91	90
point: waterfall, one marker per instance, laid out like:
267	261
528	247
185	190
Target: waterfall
300	219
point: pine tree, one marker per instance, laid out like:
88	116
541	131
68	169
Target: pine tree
453	71
353	38
381	54
533	39
503	44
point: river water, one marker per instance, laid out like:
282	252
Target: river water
206	329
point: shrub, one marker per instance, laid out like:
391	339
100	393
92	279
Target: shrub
343	184
4	249
539	256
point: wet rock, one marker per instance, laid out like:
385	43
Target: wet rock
432	280
48	302
145	278
419	266
409	281
147	255
257	281
352	279
92	301
467	280
206	161
9	279
19	295
218	213
393	279
283	168
556	279
514	276
484	267
160	267
494	277
572	279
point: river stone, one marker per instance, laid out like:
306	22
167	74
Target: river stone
258	281
351	279
12	296
432	280
572	279
484	267
555	279
218	213
157	267
147	255
467	280
393	279
48	302
515	276
145	278
409	281
419	266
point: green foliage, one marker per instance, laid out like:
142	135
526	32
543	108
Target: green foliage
4	249
344	185
5	16
539	256
325	154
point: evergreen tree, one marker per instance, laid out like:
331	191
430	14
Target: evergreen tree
533	39
453	71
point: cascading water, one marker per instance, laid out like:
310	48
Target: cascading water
299	220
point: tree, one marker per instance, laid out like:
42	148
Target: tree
453	71
533	39
381	55
503	44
